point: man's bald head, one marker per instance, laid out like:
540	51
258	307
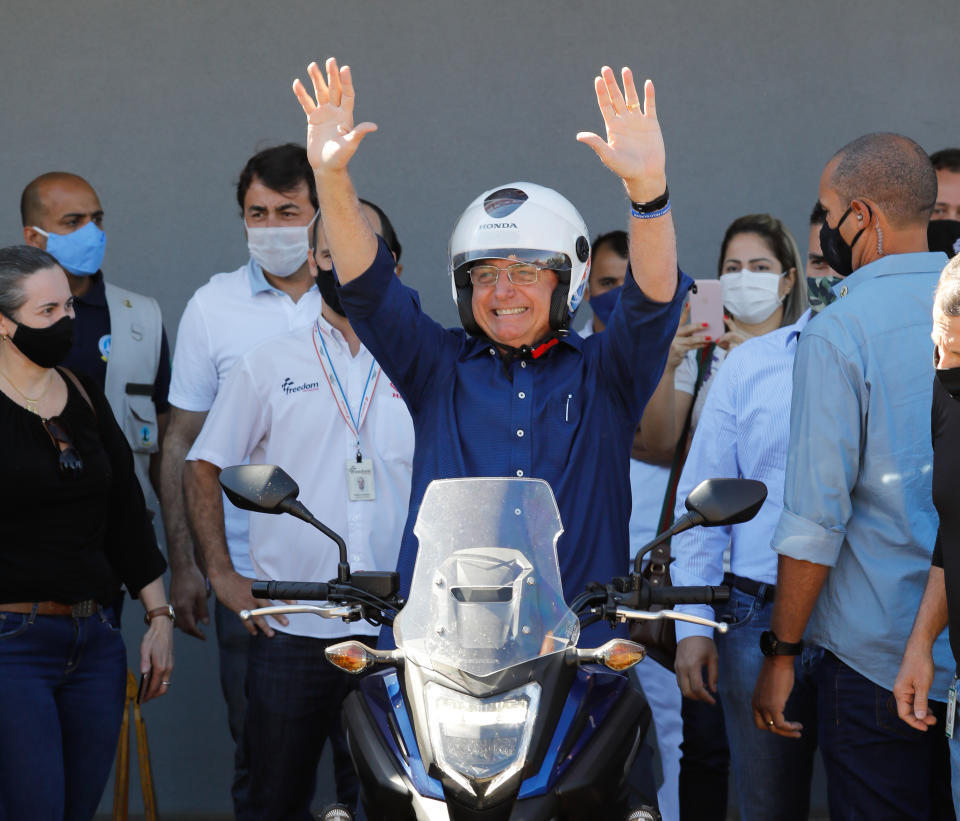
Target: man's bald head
891	170
33	200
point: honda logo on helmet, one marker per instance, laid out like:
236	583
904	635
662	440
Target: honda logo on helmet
487	225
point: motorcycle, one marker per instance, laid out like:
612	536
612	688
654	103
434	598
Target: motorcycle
487	710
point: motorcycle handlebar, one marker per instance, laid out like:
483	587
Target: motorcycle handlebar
670	596
302	591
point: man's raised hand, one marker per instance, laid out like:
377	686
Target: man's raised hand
332	138
633	149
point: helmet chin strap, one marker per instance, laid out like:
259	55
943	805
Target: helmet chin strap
529	352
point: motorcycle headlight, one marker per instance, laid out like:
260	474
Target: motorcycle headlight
480	738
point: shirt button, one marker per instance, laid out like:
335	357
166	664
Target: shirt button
493	352
519	473
520	432
523	364
843	291
522	395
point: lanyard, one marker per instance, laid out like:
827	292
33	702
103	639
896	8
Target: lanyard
354	423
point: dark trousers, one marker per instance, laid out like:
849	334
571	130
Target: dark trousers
293	705
705	763
233	644
877	766
62	684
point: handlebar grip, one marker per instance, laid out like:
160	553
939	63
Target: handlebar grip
306	591
669	596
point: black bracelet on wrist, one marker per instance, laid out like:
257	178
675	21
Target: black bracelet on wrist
654	205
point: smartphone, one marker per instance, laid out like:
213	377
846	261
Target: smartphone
142	689
706	308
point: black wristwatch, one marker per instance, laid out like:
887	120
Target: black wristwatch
770	645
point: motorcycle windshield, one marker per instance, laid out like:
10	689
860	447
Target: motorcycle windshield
486	592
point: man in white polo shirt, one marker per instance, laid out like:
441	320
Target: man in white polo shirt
315	402
274	292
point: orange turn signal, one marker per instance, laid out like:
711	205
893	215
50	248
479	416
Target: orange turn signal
352	656
620	654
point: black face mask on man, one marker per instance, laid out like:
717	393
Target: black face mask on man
949	379
327	285
46	347
837	254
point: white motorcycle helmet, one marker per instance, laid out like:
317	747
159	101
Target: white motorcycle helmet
529	223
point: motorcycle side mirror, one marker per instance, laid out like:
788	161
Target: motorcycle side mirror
726	501
712	503
270	489
260	488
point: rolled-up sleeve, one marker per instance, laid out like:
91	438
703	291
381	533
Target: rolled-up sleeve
823	461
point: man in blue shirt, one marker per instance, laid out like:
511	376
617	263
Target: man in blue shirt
520	395
858	526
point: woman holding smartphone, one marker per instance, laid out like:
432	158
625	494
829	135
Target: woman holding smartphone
75	529
759	270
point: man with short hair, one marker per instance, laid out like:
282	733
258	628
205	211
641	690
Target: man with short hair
515	393
609	259
946	162
119	340
318	379
274	292
858	527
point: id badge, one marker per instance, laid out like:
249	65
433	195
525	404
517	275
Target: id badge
951	708
360	480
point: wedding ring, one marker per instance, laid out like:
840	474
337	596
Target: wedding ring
770	723
167	684
633	106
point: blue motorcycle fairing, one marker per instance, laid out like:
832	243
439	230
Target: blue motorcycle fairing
593	694
385	701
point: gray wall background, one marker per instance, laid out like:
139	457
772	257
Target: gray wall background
159	105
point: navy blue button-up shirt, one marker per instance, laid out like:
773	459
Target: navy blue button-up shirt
567	417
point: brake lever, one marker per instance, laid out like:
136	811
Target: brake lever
625	614
328	612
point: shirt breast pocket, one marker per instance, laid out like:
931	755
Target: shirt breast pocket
394	431
140	423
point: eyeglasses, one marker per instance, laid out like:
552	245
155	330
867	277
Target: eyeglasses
520	273
71	464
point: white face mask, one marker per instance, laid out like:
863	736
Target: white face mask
751	296
279	251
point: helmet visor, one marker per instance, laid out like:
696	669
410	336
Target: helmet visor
554	260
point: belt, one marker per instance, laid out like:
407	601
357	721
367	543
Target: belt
751	587
79	610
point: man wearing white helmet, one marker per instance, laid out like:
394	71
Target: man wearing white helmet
516	393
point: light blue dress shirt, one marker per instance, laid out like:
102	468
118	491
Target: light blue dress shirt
742	433
859	466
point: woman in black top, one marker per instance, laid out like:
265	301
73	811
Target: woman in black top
74	528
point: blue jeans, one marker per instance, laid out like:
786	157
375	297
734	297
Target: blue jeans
772	774
62	685
878	766
293	705
233	643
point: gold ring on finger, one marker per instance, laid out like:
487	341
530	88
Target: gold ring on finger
633	106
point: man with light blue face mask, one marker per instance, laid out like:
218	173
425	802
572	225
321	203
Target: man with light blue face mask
272	292
119	339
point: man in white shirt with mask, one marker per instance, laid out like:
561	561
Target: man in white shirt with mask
272	293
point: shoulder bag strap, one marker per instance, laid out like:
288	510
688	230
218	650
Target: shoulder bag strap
658	567
79	386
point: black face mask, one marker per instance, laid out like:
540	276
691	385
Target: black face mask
327	285
949	379
46	347
834	248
